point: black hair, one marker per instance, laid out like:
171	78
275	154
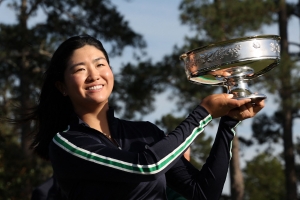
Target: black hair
53	111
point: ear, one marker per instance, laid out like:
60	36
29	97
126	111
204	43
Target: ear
61	87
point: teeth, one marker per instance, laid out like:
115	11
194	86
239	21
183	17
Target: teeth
97	87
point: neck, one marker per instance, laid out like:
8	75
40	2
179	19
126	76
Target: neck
96	119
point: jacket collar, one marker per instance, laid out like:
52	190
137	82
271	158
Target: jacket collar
76	121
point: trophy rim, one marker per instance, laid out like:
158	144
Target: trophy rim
220	43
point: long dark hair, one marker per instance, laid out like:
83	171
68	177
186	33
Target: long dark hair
53	112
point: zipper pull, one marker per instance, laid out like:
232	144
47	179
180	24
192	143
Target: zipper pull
117	144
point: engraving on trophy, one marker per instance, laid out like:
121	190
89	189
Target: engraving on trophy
219	54
275	47
256	45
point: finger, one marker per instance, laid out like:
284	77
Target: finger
244	101
243	112
240	102
234	113
233	103
249	110
258	101
258	106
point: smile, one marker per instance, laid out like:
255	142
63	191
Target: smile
96	87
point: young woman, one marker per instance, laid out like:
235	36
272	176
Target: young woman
98	156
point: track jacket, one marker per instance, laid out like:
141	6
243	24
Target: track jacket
87	165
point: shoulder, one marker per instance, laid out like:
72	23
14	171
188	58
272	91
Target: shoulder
75	137
71	134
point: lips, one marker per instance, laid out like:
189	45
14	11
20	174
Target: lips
95	87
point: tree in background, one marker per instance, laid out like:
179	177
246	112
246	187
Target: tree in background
264	178
284	83
25	51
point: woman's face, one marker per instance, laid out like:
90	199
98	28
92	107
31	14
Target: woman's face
88	78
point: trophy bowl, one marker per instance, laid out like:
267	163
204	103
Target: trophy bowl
233	63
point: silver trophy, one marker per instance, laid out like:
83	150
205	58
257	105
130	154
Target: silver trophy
233	62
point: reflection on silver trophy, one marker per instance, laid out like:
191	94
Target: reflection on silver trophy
233	62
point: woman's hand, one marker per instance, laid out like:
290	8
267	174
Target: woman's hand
247	110
219	105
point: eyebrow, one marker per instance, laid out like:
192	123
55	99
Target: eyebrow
82	63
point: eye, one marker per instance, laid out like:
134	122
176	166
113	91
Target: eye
79	70
100	65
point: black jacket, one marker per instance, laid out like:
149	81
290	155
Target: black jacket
88	165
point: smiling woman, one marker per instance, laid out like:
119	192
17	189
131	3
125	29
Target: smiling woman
95	155
88	81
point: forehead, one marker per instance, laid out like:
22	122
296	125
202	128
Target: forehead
86	52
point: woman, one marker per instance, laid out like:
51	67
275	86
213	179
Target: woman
98	156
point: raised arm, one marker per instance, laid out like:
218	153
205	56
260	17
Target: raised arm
208	182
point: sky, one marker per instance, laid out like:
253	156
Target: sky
158	22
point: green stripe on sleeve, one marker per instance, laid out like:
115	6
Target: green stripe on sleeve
131	167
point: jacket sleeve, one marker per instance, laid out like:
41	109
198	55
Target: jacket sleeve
77	154
207	183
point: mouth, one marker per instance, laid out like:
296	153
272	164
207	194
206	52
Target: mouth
95	87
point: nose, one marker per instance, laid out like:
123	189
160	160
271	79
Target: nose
93	75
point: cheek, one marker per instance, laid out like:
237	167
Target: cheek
109	76
73	81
